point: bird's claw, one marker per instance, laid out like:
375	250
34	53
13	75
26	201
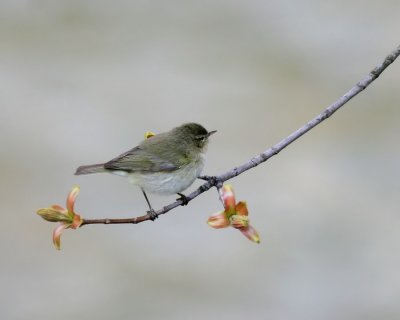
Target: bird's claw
152	214
183	198
214	180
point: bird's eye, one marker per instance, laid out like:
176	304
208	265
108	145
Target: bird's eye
202	138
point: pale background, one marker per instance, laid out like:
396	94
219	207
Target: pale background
81	81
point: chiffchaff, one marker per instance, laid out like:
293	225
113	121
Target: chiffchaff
165	164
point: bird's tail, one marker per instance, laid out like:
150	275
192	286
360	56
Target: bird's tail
93	168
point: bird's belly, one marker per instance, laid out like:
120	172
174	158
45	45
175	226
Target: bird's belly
167	183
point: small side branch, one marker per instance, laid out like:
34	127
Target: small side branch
264	156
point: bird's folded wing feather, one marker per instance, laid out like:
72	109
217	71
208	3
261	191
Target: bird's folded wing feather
138	159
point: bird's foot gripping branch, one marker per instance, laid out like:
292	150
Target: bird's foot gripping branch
234	215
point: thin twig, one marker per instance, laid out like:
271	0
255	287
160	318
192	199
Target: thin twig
216	181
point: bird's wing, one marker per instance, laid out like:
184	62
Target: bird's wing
138	159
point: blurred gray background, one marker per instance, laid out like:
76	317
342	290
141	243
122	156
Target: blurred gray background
81	81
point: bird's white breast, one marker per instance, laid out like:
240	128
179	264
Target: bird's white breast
167	183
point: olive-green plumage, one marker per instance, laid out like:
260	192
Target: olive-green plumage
166	163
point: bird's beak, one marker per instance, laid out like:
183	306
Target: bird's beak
211	132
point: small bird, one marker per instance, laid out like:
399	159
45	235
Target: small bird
164	164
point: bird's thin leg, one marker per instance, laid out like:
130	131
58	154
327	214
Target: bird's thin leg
151	212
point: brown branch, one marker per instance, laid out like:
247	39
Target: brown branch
253	162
